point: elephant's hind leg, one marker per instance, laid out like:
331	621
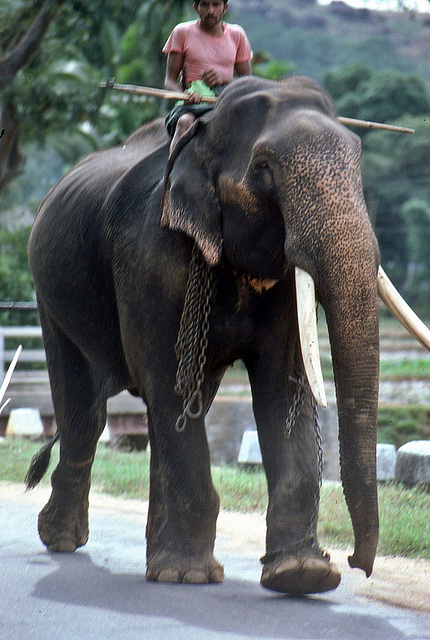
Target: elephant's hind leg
80	411
63	522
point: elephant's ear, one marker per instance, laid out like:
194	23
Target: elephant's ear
189	201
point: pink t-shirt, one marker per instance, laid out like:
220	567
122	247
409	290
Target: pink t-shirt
202	51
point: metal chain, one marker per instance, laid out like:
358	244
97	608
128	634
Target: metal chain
320	453
296	406
192	342
293	416
318	438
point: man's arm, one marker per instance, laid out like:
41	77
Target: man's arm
175	61
243	68
212	77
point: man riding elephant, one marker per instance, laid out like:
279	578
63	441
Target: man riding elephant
204	55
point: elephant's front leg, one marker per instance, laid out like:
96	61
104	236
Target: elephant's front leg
285	416
183	504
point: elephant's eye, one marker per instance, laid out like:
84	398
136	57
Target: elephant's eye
260	165
262	175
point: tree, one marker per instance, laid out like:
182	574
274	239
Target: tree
416	215
264	66
345	80
16	282
19	42
53	55
139	60
396	175
395	168
376	95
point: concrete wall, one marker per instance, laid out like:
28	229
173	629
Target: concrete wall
228	418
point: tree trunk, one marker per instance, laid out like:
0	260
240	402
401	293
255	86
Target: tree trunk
11	158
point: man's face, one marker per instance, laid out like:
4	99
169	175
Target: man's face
211	12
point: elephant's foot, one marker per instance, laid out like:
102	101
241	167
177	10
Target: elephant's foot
166	568
301	575
61	529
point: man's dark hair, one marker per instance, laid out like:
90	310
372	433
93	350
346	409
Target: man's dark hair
197	2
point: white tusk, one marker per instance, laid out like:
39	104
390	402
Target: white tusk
401	310
307	318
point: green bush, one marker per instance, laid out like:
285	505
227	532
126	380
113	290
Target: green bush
16	282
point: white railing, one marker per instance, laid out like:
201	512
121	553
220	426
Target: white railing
27	355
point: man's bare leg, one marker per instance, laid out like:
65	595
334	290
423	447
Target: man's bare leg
183	124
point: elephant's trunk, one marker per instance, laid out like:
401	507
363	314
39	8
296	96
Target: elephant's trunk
352	317
328	234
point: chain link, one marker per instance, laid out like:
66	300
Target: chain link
192	342
318	438
320	453
296	406
293	416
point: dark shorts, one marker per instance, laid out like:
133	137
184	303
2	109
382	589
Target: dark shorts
198	110
178	111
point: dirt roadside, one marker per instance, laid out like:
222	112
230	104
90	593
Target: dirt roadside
396	581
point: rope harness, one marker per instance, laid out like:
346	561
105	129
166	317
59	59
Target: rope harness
192	342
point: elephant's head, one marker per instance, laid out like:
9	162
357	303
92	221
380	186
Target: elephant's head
269	181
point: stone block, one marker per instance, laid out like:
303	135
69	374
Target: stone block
330	441
229	418
24	422
105	437
226	421
413	463
385	462
249	452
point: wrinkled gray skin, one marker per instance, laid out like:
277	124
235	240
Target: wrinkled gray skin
267	181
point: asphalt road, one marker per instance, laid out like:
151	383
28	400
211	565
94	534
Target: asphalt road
99	592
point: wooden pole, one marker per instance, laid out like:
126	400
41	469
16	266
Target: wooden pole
352	122
177	95
149	91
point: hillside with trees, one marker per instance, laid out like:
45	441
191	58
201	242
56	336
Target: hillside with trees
315	38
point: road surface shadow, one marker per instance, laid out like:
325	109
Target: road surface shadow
234	607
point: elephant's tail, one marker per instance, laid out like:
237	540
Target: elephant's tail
40	464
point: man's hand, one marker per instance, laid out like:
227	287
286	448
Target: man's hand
195	98
213	78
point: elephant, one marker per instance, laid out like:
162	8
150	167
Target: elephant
155	273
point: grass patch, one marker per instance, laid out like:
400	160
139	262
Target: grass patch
404	517
401	369
15	457
404	513
398	425
121	474
405	369
241	490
